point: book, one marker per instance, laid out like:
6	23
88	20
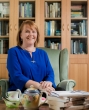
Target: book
46	6
22	10
1	10
4	46
20	6
25	10
61	99
5	9
70	94
30	10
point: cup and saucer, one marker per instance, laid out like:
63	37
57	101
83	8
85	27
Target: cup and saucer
75	33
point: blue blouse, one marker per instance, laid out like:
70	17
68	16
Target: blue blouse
22	67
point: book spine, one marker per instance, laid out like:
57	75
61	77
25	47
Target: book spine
5	9
25	10
1	10
0	28
1	46
46	9
30	10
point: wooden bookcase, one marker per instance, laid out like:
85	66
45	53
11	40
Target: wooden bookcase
64	33
14	21
78	59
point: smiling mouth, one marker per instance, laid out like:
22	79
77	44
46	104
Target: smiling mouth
30	38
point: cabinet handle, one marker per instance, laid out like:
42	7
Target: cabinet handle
68	27
63	27
10	27
15	27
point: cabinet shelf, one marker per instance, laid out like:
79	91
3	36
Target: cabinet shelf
83	18
78	36
26	0
32	18
52	18
7	19
52	36
4	37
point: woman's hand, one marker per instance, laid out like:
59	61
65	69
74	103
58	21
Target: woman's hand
47	89
46	84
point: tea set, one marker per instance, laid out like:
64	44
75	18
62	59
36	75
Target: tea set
31	98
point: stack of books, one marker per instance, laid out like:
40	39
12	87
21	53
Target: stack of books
69	100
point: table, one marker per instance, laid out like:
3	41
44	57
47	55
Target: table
3	107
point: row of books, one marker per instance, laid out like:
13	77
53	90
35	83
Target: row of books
76	14
80	27
52	45
26	9
78	11
78	47
4	28
51	27
52	9
4	9
4	46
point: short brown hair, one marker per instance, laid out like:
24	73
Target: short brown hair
31	24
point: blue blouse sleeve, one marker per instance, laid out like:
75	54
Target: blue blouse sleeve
14	70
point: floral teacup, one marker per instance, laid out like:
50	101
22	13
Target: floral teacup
12	98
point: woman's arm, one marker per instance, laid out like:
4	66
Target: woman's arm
15	71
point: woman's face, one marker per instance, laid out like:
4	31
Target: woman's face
28	35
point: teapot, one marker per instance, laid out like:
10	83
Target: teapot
32	98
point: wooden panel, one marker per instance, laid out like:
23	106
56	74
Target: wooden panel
16	21
79	72
11	27
68	25
63	24
3	71
41	43
38	8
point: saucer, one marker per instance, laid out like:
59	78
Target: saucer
11	104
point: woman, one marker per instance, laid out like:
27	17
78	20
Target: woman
28	65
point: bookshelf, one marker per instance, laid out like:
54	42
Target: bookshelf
73	24
4	27
68	27
52	26
17	14
78	44
79	27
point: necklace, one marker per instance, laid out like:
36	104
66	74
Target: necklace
32	59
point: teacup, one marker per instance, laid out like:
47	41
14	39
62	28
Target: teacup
13	95
12	98
31	99
11	104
